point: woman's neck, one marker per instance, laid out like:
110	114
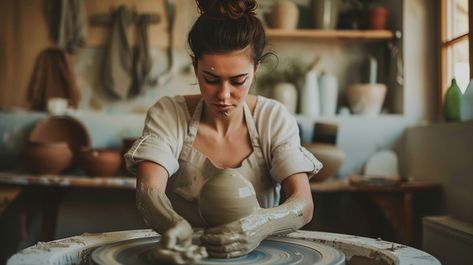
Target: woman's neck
224	125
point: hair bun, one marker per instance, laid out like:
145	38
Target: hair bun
233	9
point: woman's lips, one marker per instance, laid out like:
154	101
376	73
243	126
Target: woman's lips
223	107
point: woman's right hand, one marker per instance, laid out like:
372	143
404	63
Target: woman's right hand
176	246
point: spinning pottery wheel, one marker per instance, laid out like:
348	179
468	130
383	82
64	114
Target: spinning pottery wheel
302	247
274	250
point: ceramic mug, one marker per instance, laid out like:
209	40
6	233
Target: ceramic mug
57	106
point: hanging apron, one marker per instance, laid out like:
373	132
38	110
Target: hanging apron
195	168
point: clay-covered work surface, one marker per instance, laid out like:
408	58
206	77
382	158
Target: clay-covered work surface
274	250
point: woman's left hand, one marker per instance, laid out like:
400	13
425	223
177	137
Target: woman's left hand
237	238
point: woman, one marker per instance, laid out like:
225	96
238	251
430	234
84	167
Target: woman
186	139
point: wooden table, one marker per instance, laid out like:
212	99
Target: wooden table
51	190
396	202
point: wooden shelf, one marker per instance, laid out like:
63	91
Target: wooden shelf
367	35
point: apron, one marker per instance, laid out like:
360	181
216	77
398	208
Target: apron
195	168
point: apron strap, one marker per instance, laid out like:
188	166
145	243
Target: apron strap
250	123
192	131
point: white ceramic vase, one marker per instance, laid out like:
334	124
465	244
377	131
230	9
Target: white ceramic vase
466	104
286	93
310	95
328	86
284	15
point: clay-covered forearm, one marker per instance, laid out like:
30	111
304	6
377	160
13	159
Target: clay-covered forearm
156	208
287	217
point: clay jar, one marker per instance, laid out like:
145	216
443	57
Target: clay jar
47	157
101	162
330	156
377	17
284	15
227	197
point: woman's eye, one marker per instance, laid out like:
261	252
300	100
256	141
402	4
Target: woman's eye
211	81
238	82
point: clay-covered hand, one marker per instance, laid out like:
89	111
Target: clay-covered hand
176	246
237	238
242	236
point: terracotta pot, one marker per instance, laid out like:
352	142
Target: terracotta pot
101	162
366	99
62	129
284	15
227	197
331	157
377	18
47	157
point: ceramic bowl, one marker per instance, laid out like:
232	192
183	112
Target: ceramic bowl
62	129
331	157
47	157
227	197
366	99
101	162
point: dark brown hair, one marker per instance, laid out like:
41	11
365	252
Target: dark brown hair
226	26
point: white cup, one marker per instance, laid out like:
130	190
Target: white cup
57	106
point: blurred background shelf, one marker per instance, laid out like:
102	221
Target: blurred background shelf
362	35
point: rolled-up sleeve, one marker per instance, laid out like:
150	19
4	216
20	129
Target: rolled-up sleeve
160	142
287	156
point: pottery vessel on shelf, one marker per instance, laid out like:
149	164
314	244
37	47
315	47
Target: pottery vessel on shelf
284	15
377	17
330	156
227	197
366	99
286	93
62	129
101	162
47	157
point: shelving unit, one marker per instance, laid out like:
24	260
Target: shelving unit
362	35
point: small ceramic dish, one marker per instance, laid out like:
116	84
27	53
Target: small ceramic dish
101	162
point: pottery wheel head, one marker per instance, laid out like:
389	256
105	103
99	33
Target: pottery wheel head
274	251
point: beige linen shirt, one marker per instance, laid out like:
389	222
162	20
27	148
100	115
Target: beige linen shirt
167	125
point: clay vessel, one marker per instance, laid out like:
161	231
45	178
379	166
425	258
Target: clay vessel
286	93
366	99
284	15
377	17
101	162
331	157
62	129
47	157
227	197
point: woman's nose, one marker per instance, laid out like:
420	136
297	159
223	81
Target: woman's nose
224	90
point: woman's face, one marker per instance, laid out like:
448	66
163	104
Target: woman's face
225	80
